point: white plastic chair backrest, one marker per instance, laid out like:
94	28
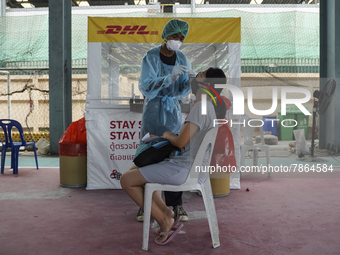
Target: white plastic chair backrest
209	139
248	130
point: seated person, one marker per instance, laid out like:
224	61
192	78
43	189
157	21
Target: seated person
175	169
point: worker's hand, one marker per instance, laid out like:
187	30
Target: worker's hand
177	71
192	73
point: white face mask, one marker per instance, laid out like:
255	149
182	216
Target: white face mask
173	45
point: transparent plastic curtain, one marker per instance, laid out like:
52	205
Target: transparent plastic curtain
119	64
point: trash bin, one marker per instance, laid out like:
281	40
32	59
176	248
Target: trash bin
302	121
223	158
73	156
286	133
73	165
292	113
220	186
270	125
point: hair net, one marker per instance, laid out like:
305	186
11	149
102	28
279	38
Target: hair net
175	26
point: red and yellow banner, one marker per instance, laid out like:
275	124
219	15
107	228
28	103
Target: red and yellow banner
149	30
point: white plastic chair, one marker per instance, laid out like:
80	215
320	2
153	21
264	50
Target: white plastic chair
248	132
191	184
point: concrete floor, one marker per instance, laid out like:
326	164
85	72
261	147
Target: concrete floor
284	214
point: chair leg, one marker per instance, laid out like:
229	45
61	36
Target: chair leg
268	160
208	192
147	213
15	152
211	213
35	155
12	158
255	157
3	157
243	155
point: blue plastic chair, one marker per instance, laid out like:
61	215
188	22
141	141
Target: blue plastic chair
7	126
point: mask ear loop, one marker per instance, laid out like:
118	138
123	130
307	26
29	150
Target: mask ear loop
165	42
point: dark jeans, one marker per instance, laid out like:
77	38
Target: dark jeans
173	198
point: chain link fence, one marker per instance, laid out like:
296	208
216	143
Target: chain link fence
279	48
25	98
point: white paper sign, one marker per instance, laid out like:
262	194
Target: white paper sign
113	136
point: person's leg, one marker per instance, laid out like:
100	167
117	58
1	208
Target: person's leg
174	199
157	198
160	203
132	183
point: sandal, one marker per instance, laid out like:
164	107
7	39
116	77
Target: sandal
171	234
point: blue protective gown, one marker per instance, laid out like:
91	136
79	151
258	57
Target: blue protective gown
162	111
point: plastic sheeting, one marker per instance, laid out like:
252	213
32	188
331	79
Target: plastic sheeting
235	79
224	151
73	141
296	27
114	67
301	143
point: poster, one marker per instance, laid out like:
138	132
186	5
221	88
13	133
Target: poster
113	136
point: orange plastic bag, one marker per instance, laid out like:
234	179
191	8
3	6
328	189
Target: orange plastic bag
73	141
224	151
75	133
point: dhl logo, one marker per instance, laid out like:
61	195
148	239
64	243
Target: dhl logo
130	30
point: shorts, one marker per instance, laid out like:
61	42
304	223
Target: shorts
165	172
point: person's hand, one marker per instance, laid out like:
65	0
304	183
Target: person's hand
177	71
167	134
192	73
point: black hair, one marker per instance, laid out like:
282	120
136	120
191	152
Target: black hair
216	76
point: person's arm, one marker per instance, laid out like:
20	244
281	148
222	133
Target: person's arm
184	81
184	137
149	82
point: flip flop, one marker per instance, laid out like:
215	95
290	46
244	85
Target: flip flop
171	234
174	226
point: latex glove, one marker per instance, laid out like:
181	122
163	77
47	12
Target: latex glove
177	71
192	73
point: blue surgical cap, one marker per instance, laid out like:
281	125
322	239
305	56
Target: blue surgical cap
175	26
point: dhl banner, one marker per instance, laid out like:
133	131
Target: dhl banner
149	30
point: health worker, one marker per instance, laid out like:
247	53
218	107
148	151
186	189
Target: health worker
164	80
